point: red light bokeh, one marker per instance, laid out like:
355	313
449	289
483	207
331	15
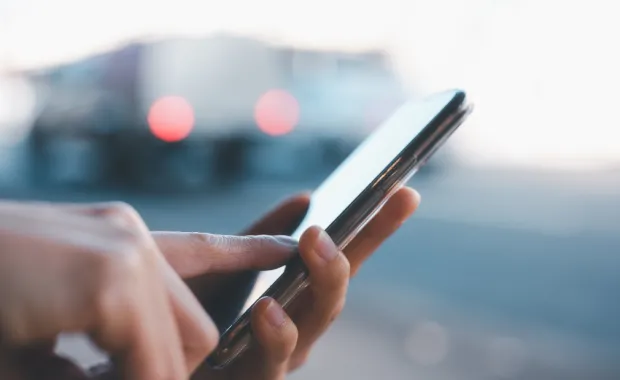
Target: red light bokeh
171	118
276	112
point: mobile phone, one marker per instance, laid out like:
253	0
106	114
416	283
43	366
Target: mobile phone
352	195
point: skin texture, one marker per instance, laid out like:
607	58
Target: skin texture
154	300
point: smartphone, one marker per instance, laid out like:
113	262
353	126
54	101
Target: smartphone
352	195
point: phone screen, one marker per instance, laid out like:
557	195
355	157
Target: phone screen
360	169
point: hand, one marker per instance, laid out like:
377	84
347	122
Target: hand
278	350
97	269
286	346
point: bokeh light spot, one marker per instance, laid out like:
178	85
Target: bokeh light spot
276	112
171	118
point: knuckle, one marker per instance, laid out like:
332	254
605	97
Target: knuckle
120	212
126	240
126	263
345	267
128	246
283	352
338	309
299	360
290	339
339	272
120	208
280	346
202	239
115	274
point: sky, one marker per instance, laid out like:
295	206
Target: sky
40	31
543	74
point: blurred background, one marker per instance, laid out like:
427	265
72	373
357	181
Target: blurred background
202	114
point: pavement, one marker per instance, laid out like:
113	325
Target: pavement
501	274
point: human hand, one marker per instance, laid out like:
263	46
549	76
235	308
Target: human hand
284	347
97	269
279	349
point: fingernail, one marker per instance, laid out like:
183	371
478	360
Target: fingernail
275	315
325	247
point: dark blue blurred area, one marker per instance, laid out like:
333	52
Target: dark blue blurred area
99	111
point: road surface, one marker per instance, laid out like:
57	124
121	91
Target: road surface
501	275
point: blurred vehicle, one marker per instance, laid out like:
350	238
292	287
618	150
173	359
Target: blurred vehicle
189	112
89	108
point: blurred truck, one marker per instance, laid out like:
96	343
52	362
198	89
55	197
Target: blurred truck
193	112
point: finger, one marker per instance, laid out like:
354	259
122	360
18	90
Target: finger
198	333
329	277
150	350
275	337
121	213
393	214
225	306
134	322
122	302
283	219
172	323
193	254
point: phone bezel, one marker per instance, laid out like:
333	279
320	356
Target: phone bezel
237	338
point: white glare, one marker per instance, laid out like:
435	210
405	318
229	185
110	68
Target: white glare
542	73
17	103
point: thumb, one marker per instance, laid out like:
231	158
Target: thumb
193	254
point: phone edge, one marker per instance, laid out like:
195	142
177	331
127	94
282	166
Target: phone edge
400	170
